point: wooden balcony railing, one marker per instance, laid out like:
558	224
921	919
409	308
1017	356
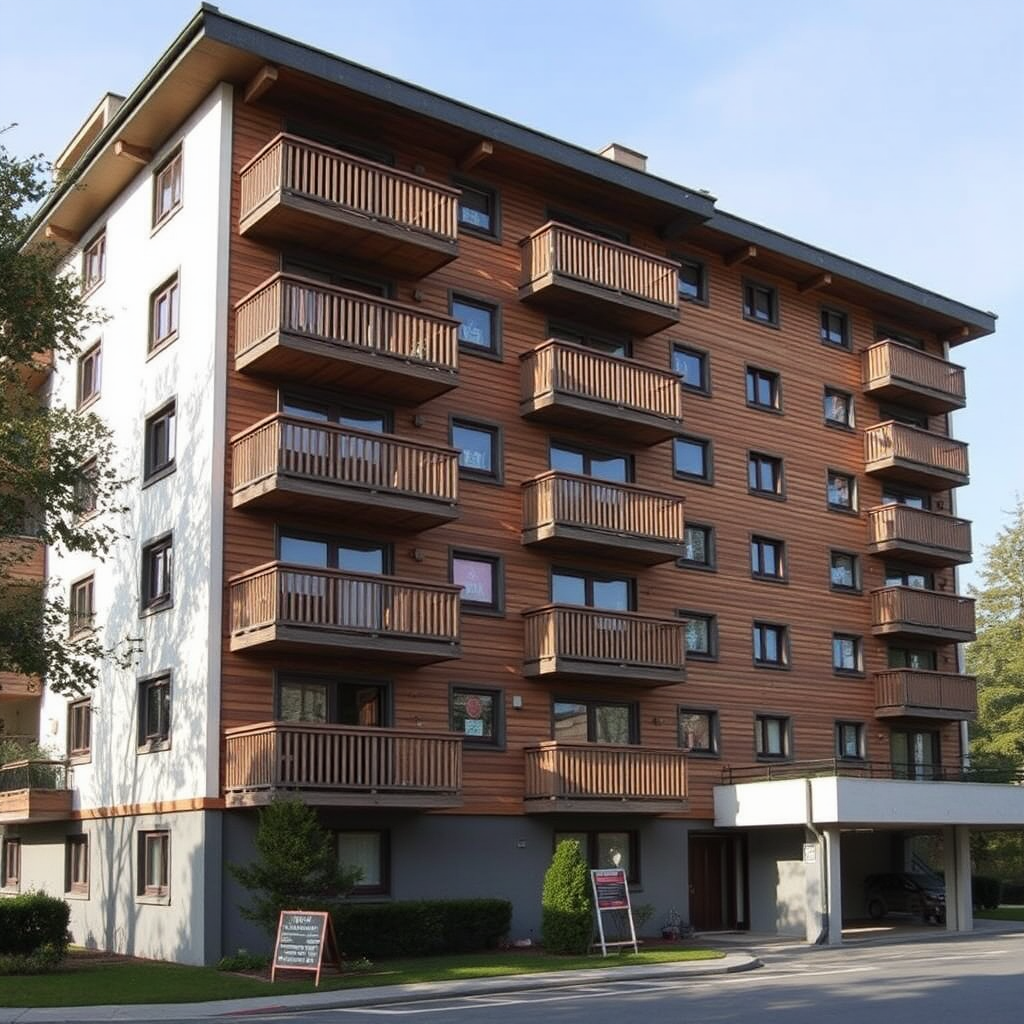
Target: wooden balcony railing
898	372
295	327
589	777
34	790
342	765
925	535
282	605
566	383
903	692
369	211
569	641
335	467
573	269
900	451
910	611
570	510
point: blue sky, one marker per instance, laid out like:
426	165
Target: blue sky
889	132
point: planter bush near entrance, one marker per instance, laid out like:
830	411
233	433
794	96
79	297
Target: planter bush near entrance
567	921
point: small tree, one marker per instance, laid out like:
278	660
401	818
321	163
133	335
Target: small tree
296	866
567	919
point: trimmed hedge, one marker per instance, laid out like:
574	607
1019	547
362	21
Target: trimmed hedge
421	927
31	922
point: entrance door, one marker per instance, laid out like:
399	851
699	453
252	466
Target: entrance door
715	864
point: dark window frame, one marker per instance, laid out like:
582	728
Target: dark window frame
759	630
334	406
94	252
335	542
850	507
497	695
756	460
762	719
759	544
825	328
167	417
591	704
590	577
383	888
145	887
79	731
495	607
860	733
836	424
588	453
707	449
334	682
755	376
714	731
174	165
493	350
712	633
76	865
82	622
710	563
494	476
154	736
150	601
585	336
702	296
751	290
858	654
840	588
493	233
593	841
10	863
171	290
704	358
92	360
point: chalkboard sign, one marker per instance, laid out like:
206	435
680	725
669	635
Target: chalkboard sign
304	937
611	896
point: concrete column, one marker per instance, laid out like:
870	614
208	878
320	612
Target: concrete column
823	888
814	886
956	844
834	885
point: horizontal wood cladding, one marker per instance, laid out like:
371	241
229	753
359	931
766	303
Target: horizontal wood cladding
490	513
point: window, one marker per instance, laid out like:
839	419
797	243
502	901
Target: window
592	721
160	443
163	315
76	865
606	344
79	729
770	645
693	280
698	731
153	872
476	713
842	491
835	328
94	263
698	547
850	741
904	576
85	488
838	408
611	466
478	210
325	552
479	449
760	303
771	736
592	590
844	571
901	414
608	850
915	754
155	713
767	558
692	367
764	474
691	458
762	388
478	324
11	864
846	653
921	658
701	635
480	577
345	414
82	606
89	375
157	561
367	852
167	189
331	701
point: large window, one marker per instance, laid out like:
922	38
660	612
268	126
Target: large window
691	458
79	729
155	713
771	645
167	188
698	731
760	303
593	721
479	449
366	852
592	590
323	552
82	606
764	474
608	850
76	865
163	314
89	364
480	577
160	442
569	458
331	701
693	367
772	736
915	754
11	864
476	714
157	561
153	872
909	576
922	659
767	558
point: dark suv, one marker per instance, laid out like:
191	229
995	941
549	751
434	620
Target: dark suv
903	892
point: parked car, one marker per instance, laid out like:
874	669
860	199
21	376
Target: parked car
904	892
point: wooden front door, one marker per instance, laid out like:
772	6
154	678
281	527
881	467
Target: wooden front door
714	871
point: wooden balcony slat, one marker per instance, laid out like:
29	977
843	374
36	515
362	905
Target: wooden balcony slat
899	451
912	693
909	611
924	535
904	374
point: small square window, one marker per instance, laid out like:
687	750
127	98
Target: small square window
693	280
481	580
772	736
155	713
764	474
153	869
701	635
698	547
698	731
79	729
76	865
82	606
767	558
692	367
478	324
476	714
850	741
691	458
160	442
842	491
157	563
89	365
760	303
479	449
94	263
771	644
11	864
167	188
846	653
835	328
478	209
762	388
838	408
368	853
844	570
163	315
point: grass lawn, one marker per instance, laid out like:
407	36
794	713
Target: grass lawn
1002	914
98	980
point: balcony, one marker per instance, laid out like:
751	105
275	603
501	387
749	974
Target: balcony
568	642
590	278
296	609
569	386
565	512
909	693
905	454
908	612
342	766
897	373
296	192
922	536
287	462
34	791
301	330
586	777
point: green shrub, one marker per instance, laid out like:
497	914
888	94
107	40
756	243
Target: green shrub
31	922
42	961
985	892
567	924
243	961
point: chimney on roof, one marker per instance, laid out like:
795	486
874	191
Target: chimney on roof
625	156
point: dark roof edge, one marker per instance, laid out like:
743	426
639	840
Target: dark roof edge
755	234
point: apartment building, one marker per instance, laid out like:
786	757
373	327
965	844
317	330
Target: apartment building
488	491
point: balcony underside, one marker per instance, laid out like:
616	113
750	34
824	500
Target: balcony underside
314	797
912	711
921	553
332	364
603	805
284	639
561	538
916	396
583	414
20	806
909	630
561	667
918	474
288	219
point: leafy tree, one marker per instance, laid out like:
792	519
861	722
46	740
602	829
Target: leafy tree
57	482
296	866
567	920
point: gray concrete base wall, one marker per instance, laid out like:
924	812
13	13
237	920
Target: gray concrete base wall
777	881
